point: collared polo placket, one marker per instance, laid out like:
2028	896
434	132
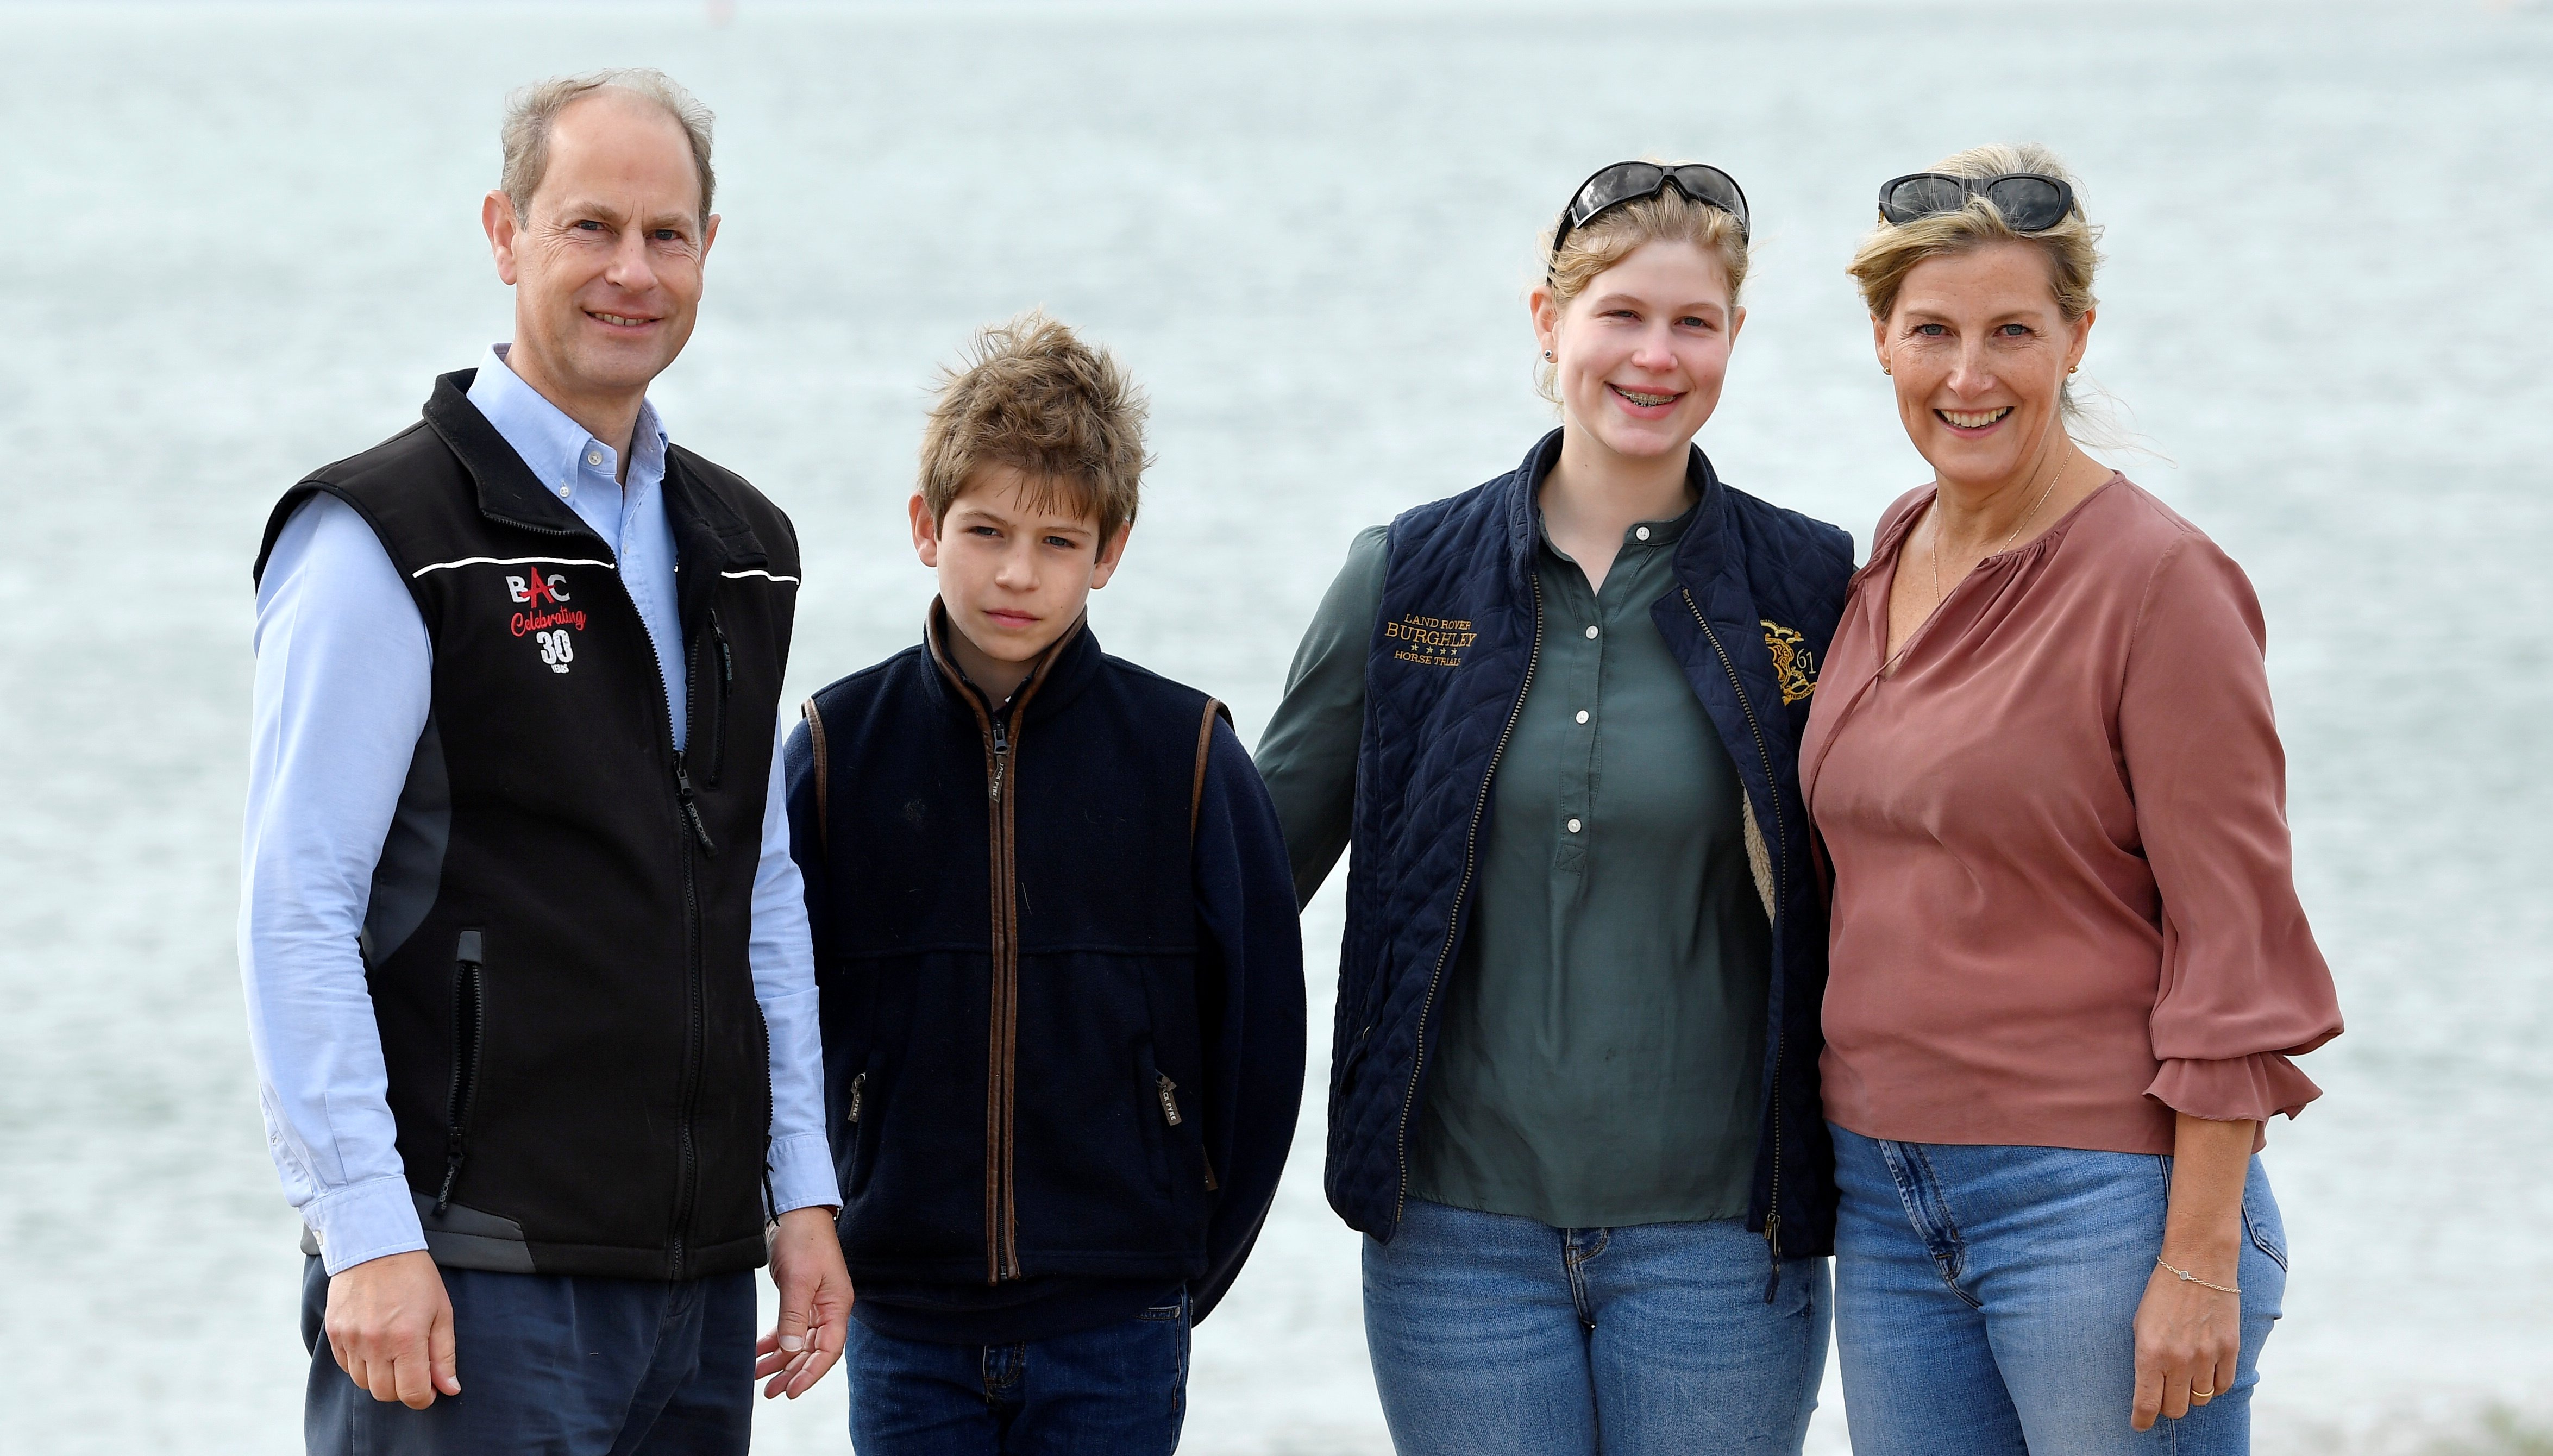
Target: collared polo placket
1576	664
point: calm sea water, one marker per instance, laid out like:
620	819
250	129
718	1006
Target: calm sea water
242	239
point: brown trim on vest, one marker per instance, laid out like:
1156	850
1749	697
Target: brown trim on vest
1196	789
824	790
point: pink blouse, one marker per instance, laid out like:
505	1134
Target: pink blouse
2063	898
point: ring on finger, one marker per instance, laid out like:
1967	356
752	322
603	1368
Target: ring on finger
2200	1394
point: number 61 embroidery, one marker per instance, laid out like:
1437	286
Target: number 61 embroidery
556	648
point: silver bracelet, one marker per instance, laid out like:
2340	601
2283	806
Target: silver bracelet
2191	1279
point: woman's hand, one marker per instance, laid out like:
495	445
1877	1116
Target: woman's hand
2188	1337
2189	1334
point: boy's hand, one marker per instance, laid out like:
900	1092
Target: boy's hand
389	1325
815	1304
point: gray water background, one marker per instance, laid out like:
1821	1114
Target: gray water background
242	240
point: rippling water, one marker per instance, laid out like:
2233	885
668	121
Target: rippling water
242	239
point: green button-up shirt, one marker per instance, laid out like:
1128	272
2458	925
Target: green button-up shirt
1600	1046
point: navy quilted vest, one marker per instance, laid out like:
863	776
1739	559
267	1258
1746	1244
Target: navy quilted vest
1759	590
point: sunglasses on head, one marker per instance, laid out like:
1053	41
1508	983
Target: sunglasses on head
2029	201
1629	182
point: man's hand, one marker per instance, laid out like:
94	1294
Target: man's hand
815	1304
389	1325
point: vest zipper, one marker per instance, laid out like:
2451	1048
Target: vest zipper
1781	863
859	1083
688	814
469	1031
1001	738
1454	916
1001	1093
695	1025
1168	1089
691	807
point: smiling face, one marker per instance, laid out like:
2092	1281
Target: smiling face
1016	564
1642	352
1978	350
607	267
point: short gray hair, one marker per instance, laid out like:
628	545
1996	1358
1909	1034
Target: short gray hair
532	111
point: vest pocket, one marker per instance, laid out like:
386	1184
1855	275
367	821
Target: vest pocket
468	1032
1159	1114
860	1119
714	721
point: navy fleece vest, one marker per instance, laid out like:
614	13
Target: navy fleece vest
1759	591
1015	989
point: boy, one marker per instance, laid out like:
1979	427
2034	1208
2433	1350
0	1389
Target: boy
1061	977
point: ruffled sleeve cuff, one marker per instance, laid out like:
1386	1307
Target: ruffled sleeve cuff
2236	1090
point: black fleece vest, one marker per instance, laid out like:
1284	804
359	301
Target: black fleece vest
556	939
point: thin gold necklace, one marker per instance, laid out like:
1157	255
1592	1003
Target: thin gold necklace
1933	547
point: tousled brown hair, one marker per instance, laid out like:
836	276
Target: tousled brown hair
1028	393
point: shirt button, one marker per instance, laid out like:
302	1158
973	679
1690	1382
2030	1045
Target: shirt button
1573	826
593	457
1581	714
566	491
1642	533
1590	629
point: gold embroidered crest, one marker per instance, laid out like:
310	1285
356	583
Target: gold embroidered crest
1430	642
1795	667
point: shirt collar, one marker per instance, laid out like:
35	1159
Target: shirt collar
1639	536
554	447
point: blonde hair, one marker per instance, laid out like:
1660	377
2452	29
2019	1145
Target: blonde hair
1891	251
531	112
1668	216
1030	395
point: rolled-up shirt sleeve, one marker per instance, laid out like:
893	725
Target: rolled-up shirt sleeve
2244	987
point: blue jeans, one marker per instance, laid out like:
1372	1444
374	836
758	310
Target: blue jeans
1499	1337
1120	1390
556	1365
1986	1299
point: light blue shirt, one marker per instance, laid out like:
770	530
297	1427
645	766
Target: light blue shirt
344	685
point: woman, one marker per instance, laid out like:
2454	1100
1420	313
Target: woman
1573	1095
2069	968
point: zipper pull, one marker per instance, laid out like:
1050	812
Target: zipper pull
1001	758
726	658
1169	1104
858	1083
691	809
1773	1247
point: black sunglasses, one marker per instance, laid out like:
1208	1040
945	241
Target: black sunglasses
2029	201
1629	182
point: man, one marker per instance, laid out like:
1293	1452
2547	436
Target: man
526	953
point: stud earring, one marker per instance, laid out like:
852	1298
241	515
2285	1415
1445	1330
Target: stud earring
1884	368
1546	354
